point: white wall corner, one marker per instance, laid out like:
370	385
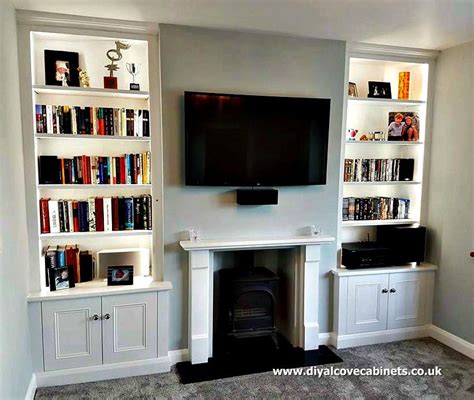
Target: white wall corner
453	341
31	391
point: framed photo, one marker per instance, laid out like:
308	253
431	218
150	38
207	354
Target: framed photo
381	90
352	90
60	68
120	275
403	126
61	278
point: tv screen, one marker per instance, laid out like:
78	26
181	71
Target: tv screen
242	140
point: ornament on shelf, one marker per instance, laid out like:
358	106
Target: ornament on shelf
83	78
404	85
114	55
133	69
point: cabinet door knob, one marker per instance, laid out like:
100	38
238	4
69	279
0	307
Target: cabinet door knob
384	290
95	317
107	316
393	290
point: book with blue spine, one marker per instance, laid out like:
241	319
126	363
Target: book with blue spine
129	211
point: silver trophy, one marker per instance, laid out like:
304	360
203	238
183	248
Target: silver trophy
134	69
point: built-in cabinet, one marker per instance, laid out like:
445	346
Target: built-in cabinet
99	330
373	304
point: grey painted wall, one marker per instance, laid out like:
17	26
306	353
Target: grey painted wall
15	359
450	199
236	62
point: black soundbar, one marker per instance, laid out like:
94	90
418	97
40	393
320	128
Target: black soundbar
257	197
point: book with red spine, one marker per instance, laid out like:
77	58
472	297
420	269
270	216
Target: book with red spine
75	215
122	171
71	261
99	214
115	214
44	212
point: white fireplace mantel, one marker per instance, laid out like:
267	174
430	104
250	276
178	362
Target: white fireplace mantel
201	283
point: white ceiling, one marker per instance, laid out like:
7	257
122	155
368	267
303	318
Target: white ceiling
428	24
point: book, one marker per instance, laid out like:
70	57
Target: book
99	214
44	215
107	214
53	212
129	210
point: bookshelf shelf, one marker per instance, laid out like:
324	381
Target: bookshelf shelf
90	137
382	143
67	235
377	183
379	222
94	92
383	102
104	186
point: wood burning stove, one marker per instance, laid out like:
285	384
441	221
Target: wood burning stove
248	298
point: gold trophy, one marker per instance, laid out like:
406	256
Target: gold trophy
114	55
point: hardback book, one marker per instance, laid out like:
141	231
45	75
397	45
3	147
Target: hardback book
48	170
53	212
107	214
129	210
99	214
44	213
86	264
91	217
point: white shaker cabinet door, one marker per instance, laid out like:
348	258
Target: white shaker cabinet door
129	327
72	334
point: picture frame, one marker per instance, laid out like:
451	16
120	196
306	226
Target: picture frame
61	68
118	275
352	90
380	90
61	278
403	126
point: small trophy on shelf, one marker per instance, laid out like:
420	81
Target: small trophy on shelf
134	69
114	55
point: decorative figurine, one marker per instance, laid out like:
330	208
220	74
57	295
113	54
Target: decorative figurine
114	55
83	78
134	69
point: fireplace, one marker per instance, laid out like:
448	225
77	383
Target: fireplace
248	303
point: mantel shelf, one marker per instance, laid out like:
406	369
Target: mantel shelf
95	92
262	243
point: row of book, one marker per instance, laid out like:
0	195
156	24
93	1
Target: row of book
96	214
374	208
76	120
58	257
125	169
378	170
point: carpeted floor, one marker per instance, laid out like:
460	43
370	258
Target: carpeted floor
456	382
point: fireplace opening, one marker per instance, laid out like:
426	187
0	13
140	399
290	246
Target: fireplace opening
248	304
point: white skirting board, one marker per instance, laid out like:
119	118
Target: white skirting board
363	339
453	341
31	391
102	372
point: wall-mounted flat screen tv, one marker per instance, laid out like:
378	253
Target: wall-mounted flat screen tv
243	140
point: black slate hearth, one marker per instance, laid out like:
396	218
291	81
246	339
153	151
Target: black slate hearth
254	355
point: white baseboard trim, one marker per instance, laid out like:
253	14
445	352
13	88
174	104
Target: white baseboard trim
325	338
453	341
31	391
102	372
392	335
177	356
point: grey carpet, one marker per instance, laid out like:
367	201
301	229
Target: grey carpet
457	381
